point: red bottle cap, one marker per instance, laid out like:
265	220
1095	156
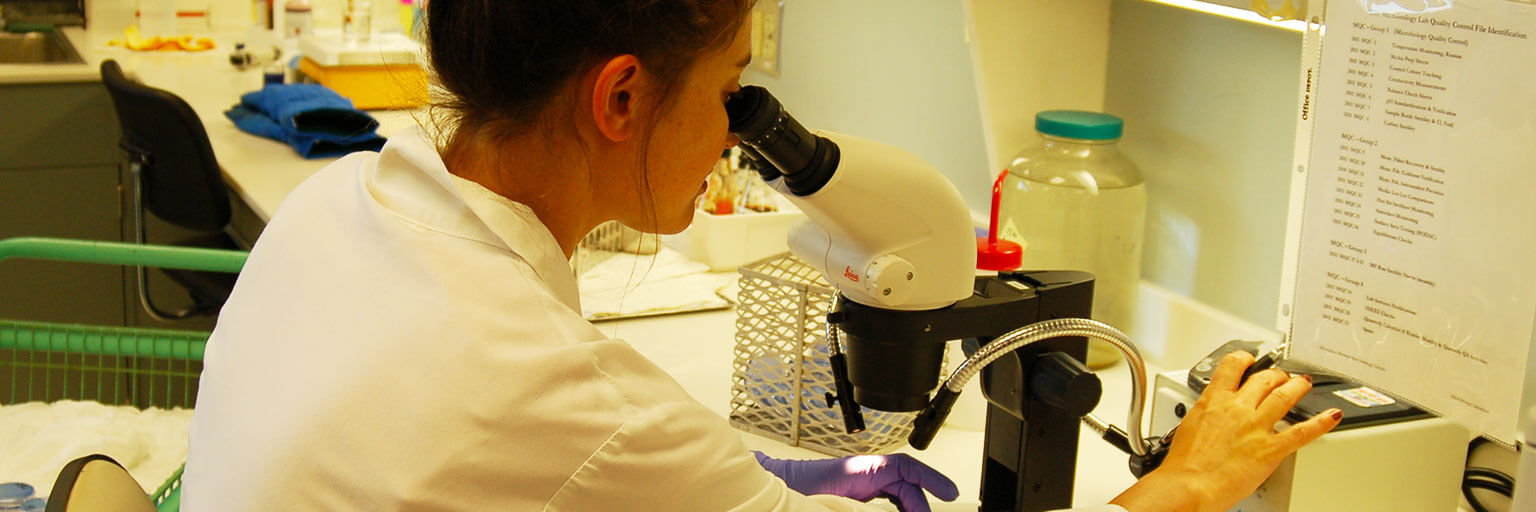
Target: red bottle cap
1001	255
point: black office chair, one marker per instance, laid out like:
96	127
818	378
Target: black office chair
175	177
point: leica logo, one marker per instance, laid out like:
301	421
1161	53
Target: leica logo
848	273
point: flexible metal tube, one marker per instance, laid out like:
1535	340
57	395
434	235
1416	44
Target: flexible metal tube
1055	328
834	345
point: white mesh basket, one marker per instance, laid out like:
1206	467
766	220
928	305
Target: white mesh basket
780	374
605	240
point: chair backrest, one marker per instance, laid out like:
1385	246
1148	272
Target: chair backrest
96	483
182	183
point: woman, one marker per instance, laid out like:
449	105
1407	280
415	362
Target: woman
406	334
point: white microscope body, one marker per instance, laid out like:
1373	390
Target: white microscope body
888	230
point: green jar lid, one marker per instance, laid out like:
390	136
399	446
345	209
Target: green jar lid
1079	124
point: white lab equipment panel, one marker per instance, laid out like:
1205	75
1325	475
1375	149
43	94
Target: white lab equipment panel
1408	465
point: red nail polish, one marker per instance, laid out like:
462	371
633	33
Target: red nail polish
1337	414
1306	376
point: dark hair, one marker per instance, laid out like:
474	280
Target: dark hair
503	60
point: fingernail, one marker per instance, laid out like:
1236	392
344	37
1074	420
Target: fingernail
1306	376
1338	415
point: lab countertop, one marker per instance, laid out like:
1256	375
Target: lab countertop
261	171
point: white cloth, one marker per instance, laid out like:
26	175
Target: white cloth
402	339
40	438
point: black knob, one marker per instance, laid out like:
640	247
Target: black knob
1141	465
1063	382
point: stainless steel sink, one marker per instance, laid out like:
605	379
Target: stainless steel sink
37	48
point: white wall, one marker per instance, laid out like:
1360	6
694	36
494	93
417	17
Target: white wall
1209	104
898	72
237	15
1033	56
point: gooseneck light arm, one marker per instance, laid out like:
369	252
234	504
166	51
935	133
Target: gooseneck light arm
929	420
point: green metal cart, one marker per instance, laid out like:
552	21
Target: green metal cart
141	367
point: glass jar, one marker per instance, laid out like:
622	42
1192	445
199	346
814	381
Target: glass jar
1074	202
298	18
357	21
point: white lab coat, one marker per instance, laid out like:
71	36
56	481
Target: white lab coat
403	339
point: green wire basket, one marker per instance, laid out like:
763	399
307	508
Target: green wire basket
141	367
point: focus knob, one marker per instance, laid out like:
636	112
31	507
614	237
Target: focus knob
889	279
1061	381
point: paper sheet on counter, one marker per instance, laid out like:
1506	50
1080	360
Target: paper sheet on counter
1415	271
629	285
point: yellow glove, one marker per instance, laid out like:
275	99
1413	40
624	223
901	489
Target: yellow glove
133	40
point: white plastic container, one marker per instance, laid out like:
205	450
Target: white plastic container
331	50
725	242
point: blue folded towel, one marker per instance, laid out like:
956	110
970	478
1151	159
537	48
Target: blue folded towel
316	121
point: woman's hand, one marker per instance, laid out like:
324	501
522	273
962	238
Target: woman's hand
1226	446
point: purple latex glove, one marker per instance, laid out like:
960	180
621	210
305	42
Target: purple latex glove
898	477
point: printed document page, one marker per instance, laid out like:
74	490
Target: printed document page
1417	268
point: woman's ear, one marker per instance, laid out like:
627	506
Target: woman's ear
615	97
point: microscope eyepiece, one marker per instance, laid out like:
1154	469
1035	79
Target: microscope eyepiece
805	160
752	111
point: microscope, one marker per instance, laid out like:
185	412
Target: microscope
895	239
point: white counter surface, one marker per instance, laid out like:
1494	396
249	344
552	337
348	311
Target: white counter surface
262	171
38	73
